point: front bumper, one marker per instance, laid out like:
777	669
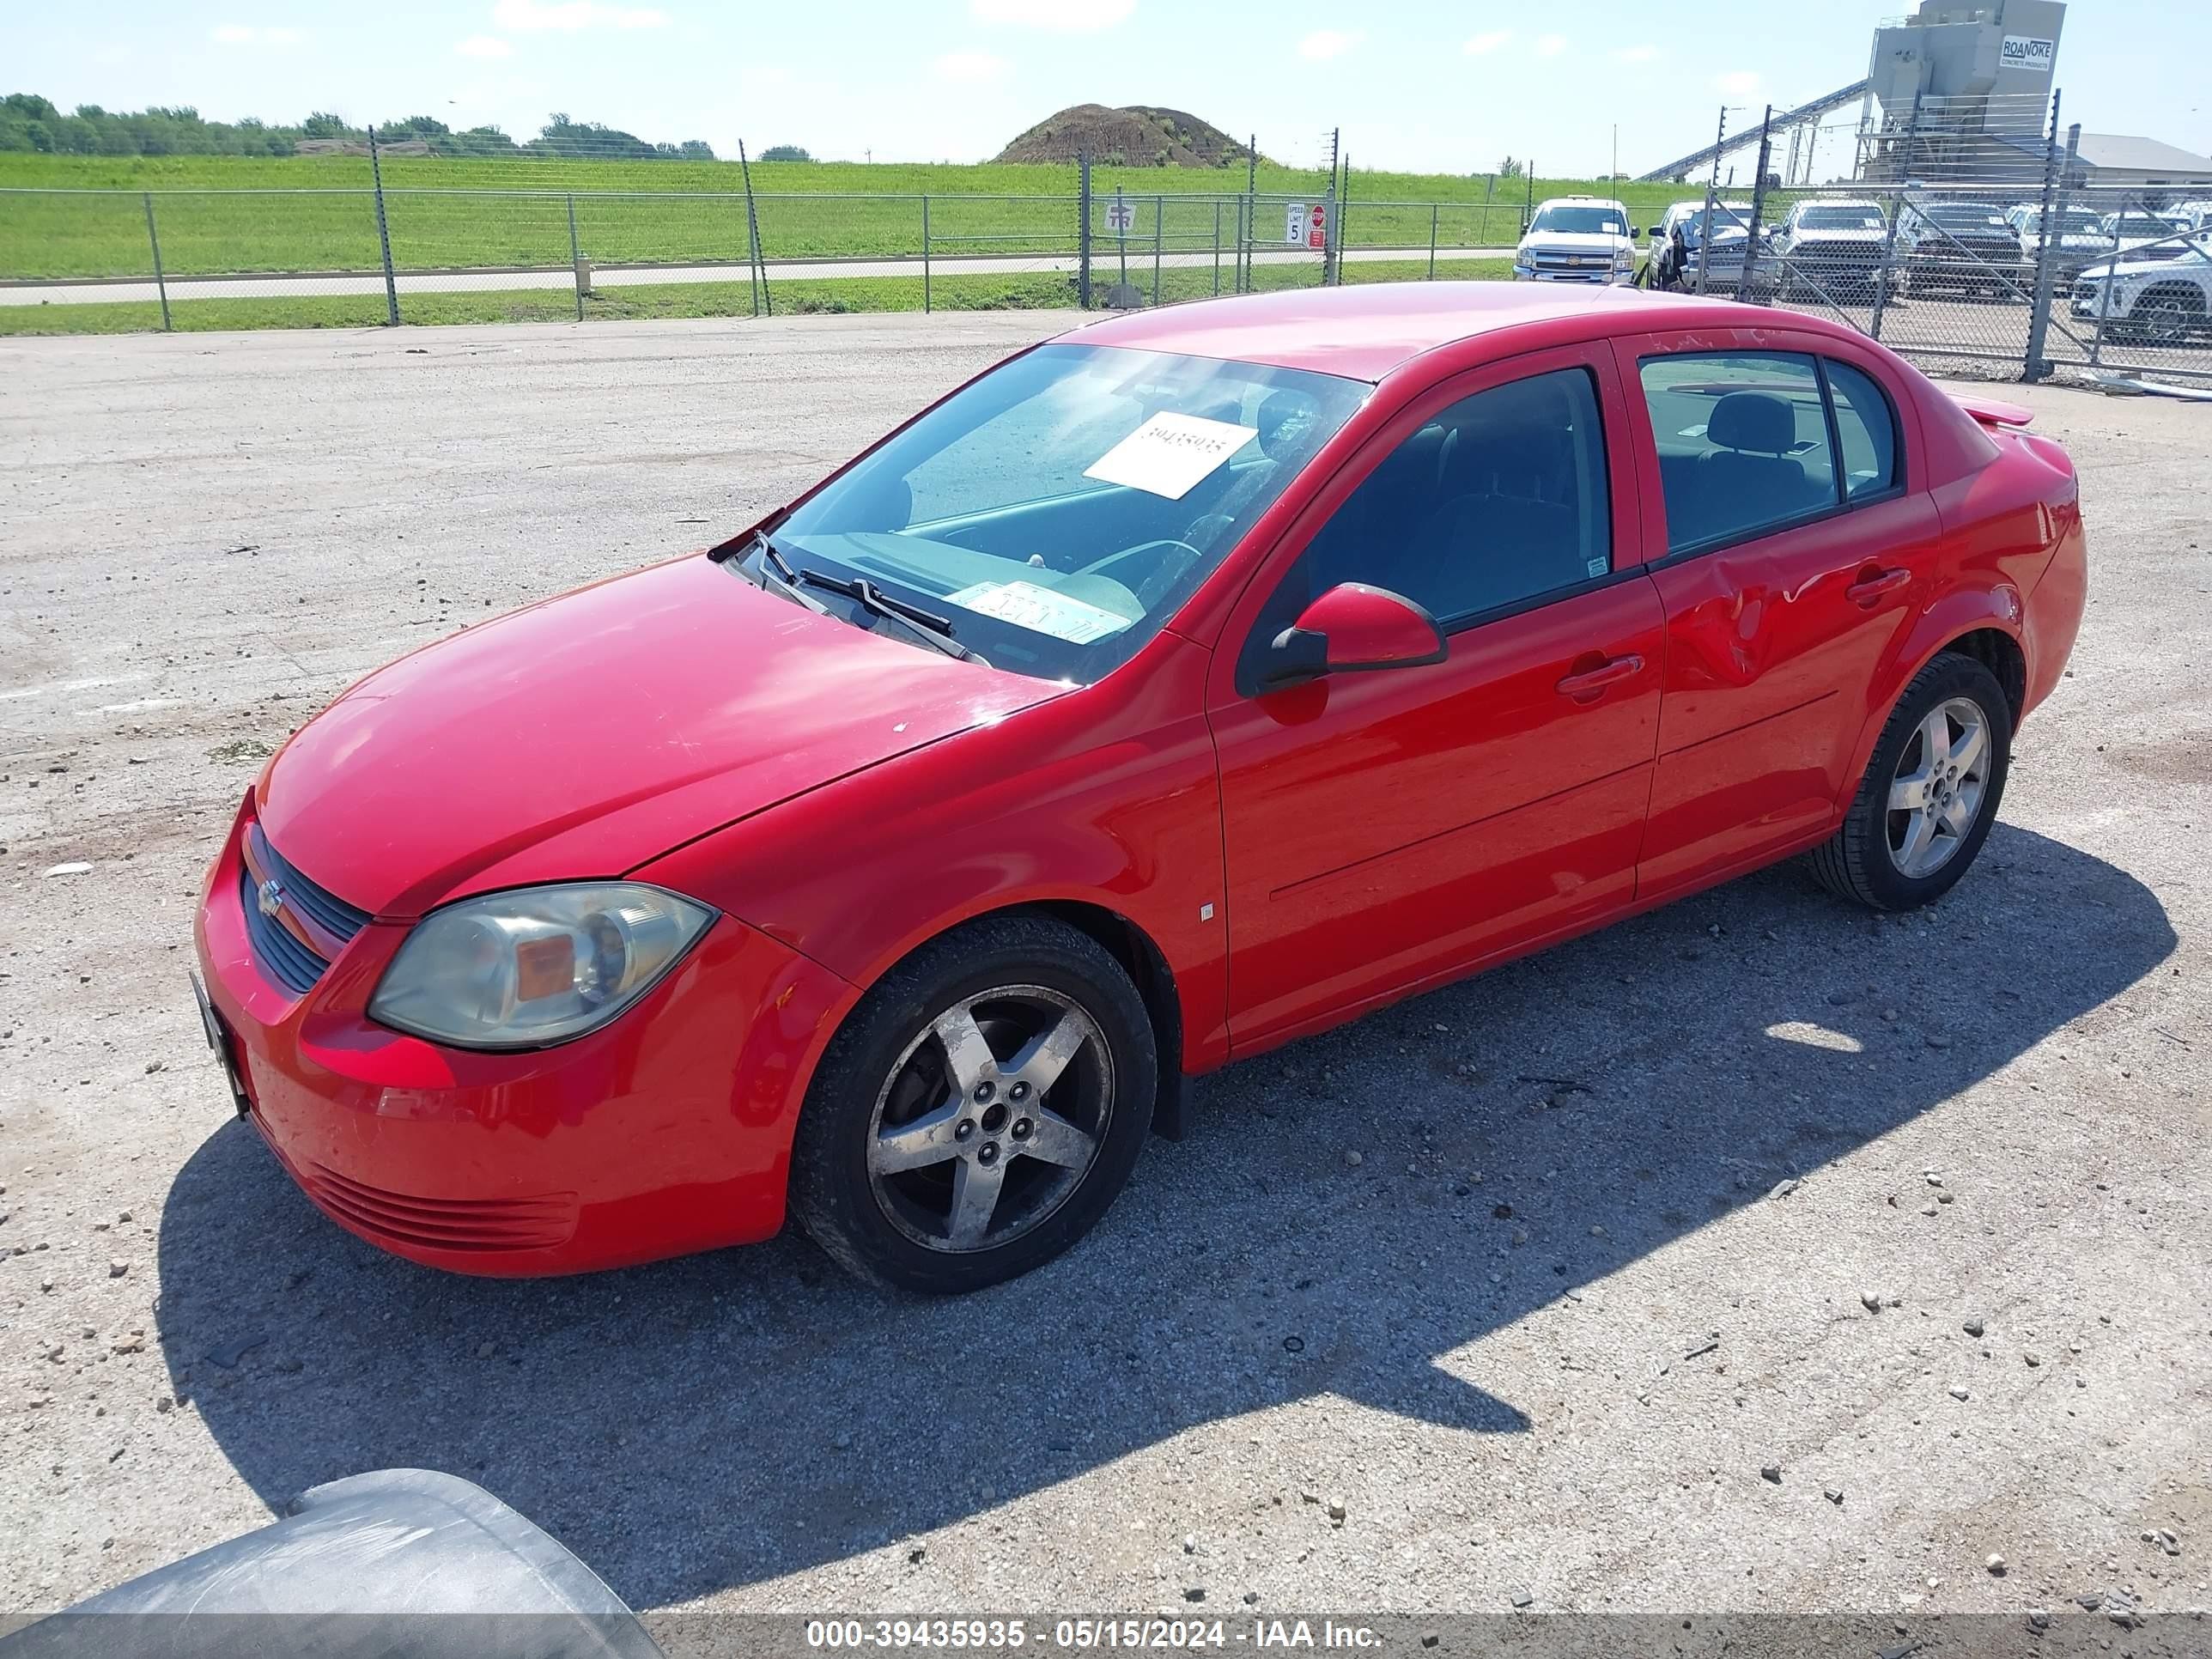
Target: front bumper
1601	276
666	1131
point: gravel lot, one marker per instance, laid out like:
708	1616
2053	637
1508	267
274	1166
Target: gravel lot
1527	1280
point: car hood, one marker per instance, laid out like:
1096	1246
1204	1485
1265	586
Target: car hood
2133	268
587	734
1840	235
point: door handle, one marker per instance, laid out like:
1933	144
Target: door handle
1585	686
1872	585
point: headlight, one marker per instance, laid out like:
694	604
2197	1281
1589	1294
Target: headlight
1625	260
539	965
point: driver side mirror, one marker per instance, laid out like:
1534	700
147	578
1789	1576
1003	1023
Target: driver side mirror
1352	628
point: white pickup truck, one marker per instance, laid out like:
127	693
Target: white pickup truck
1576	239
2157	294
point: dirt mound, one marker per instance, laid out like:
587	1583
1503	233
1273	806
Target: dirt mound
1140	135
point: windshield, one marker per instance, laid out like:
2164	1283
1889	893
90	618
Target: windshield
1581	220
1730	219
1058	510
1840	218
1966	218
2139	224
2073	223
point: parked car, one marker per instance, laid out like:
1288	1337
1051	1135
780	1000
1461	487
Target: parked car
394	1562
2155	295
1831	249
1962	248
2133	228
1192	682
1576	239
1678	259
2077	238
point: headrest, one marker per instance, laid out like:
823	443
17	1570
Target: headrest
1502	457
1757	421
1285	422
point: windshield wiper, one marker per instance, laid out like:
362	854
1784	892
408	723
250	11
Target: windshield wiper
775	575
926	626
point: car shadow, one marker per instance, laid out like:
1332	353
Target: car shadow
732	1418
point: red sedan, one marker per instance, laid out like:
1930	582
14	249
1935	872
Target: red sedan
1198	680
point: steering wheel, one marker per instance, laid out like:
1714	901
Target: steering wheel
1150	587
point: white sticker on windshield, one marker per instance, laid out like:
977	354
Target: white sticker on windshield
1041	611
1169	453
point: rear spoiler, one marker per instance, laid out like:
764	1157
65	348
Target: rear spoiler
1991	412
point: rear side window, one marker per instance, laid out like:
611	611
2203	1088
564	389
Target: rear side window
1866	431
1743	443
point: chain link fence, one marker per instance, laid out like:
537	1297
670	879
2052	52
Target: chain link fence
1970	242
2021	274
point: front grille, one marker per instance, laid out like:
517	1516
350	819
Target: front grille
331	912
295	946
1837	254
442	1224
1593	266
281	956
2086	292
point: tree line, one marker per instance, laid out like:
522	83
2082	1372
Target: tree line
28	122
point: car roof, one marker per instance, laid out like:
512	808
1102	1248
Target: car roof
1365	330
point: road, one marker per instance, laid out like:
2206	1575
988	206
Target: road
1540	1340
1105	268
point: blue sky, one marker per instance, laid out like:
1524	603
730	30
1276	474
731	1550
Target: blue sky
1417	85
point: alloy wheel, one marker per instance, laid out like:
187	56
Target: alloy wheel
2167	321
990	1118
1936	793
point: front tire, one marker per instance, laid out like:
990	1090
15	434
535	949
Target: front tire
979	1110
1929	794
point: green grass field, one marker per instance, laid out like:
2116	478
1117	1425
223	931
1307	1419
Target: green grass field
961	292
218	214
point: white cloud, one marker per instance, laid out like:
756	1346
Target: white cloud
1635	54
1325	43
1063	16
971	68
238	34
571	15
483	45
1488	40
1738	83
1551	46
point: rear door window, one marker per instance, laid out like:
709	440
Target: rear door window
1743	444
1865	431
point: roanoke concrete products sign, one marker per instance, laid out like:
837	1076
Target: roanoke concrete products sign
2025	51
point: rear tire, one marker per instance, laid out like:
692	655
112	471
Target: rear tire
2168	315
1930	792
979	1110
